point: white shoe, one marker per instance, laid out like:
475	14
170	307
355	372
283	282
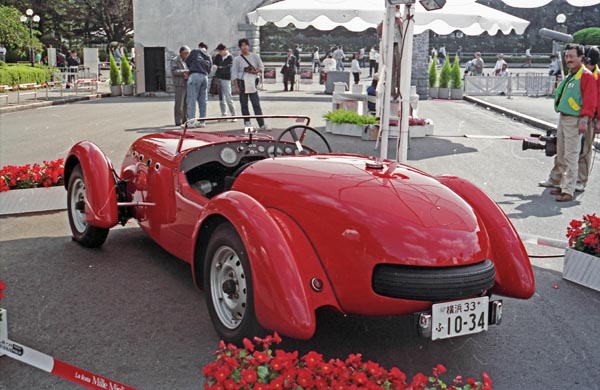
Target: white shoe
202	124
579	187
234	120
548	183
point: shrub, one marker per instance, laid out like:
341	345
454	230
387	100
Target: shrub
115	74
587	36
24	74
345	116
126	75
433	75
445	75
455	76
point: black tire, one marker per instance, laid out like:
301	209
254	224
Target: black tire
85	234
226	248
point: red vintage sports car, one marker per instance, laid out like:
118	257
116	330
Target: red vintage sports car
274	230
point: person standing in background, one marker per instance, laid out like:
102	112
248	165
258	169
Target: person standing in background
442	54
316	60
361	57
199	63
222	65
118	54
339	57
499	64
245	70
528	58
289	70
180	73
576	100
477	65
554	67
297	52
459	54
355	68
2	52
329	64
373	65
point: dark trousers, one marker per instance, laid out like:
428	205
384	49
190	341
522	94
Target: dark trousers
254	99
289	77
180	110
373	65
356	77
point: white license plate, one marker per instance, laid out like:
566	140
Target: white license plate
459	318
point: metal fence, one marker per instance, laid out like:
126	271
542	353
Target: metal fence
527	84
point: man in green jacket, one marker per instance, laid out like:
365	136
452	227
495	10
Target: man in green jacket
575	100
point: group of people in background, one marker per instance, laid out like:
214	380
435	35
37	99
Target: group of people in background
191	69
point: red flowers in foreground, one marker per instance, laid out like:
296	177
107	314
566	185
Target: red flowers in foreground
252	369
50	173
584	236
2	287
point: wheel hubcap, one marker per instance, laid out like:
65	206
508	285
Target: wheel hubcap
228	287
78	205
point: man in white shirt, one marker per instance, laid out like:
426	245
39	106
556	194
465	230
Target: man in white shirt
355	68
373	56
245	70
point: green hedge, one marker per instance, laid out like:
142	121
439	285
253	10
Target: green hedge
587	36
24	74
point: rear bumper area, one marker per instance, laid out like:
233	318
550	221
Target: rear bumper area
433	284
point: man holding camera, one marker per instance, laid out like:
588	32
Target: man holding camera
576	100
245	71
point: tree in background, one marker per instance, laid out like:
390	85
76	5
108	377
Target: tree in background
15	34
433	75
455	76
588	36
445	74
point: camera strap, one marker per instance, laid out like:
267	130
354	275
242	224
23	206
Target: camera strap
248	62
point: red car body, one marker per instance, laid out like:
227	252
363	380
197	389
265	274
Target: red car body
333	218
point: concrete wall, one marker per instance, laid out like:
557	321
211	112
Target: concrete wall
173	23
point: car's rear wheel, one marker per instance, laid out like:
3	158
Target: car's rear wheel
228	284
85	234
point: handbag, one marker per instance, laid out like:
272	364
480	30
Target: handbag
215	87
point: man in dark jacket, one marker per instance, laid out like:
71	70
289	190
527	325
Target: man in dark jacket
199	64
222	65
289	71
180	73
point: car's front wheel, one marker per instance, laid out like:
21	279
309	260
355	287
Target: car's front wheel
228	284
83	233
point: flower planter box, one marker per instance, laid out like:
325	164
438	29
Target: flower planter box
444	93
128	89
116	90
582	268
420	131
32	200
346	129
433	92
456	94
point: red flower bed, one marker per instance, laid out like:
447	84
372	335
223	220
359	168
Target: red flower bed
416	121
584	235
257	367
50	173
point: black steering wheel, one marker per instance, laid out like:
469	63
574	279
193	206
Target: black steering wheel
298	140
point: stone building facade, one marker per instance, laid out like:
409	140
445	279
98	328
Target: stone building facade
163	26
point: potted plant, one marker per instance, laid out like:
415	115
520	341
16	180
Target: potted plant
582	258
345	122
444	91
127	77
456	93
115	78
433	78
419	127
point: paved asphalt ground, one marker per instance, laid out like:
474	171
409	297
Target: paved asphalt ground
130	311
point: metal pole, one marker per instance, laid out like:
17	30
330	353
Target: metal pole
405	81
31	40
388	46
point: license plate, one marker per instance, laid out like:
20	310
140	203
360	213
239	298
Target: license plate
459	318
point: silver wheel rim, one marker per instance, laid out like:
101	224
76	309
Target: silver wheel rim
78	195
228	287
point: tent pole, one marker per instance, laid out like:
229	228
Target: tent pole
405	81
388	45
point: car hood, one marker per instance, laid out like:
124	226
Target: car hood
357	217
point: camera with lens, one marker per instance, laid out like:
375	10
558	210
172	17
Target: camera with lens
547	142
249	69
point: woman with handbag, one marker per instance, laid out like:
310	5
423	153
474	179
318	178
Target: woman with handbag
289	71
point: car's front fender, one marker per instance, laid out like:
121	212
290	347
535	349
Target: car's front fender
283	299
101	205
514	275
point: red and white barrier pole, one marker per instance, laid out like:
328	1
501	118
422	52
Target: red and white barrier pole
54	366
544	241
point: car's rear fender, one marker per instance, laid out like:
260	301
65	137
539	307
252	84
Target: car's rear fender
514	275
283	299
101	196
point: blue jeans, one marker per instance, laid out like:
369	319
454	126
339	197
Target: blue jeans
197	91
226	99
339	64
254	99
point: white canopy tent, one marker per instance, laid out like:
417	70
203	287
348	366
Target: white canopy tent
358	15
541	3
